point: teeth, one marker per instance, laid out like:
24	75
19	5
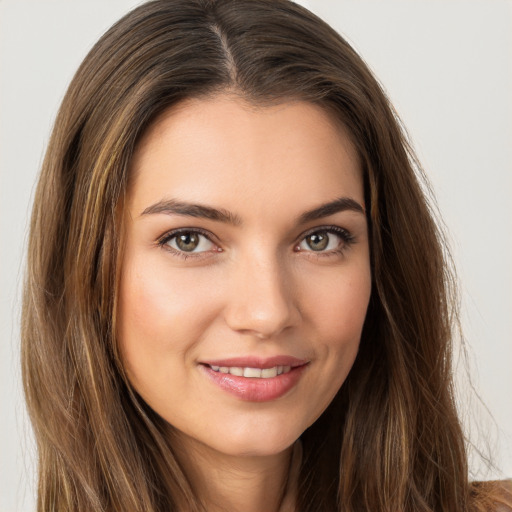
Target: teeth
267	373
254	373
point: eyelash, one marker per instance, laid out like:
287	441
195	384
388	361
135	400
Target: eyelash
167	237
347	240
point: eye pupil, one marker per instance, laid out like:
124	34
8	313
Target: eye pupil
187	241
318	241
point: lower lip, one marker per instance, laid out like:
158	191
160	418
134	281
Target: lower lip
255	389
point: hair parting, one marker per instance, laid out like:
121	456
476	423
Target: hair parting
391	440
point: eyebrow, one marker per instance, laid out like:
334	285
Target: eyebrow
175	207
338	205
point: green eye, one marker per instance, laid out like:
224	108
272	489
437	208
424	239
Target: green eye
318	241
321	241
326	240
189	241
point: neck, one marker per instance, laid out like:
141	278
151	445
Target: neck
228	483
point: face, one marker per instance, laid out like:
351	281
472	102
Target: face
245	277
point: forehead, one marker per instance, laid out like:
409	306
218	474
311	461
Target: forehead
225	150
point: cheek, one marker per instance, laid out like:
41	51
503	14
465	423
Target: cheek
161	316
339	303
336	313
158	301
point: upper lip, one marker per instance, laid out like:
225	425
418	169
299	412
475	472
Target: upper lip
257	362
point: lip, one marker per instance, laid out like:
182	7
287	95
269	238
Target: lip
254	389
257	362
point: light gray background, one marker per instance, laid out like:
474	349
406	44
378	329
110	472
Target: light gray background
447	66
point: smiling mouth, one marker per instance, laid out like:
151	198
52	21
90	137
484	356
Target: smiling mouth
256	379
252	373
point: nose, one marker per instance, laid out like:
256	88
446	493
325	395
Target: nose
263	302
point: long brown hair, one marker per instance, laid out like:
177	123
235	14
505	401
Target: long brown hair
391	439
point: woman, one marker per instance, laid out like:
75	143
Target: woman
237	297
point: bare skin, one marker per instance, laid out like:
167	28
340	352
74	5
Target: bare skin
246	251
251	484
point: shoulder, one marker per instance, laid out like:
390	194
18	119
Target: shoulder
493	496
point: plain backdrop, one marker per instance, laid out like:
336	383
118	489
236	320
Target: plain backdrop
447	67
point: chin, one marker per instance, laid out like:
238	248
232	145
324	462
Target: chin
259	438
256	447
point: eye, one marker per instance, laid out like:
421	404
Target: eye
332	239
187	241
